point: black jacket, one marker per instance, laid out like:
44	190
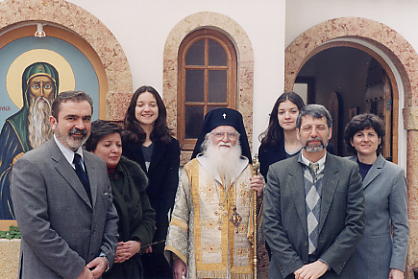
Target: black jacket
163	175
268	155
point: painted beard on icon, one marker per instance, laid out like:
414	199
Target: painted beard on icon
39	129
223	159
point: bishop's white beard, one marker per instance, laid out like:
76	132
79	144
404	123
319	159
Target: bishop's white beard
222	162
39	130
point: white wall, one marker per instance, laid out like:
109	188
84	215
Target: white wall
142	27
400	15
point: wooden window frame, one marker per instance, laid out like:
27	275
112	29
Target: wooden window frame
231	67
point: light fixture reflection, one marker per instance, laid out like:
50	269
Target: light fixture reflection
40	33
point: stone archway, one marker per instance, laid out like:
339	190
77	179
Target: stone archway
245	62
74	19
404	58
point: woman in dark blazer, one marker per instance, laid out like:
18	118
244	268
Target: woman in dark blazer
147	141
279	141
381	252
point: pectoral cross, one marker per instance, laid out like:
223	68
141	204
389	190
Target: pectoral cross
224	115
220	212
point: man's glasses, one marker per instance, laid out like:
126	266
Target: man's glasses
230	135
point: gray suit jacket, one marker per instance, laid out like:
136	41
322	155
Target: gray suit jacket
61	230
341	216
384	243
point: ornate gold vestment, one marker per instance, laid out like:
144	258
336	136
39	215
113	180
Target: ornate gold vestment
210	224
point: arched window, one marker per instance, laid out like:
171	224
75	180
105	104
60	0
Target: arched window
207	80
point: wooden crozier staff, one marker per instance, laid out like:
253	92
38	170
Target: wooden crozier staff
256	171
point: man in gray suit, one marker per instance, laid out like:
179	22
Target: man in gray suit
62	200
313	206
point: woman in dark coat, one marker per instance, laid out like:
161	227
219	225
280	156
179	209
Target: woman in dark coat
279	141
136	217
148	142
381	252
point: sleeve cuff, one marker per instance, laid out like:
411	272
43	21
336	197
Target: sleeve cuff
103	255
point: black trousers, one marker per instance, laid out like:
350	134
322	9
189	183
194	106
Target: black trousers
156	266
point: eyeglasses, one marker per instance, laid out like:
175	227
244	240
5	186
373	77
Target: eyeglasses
229	135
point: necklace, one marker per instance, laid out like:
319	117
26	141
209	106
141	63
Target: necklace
222	200
235	218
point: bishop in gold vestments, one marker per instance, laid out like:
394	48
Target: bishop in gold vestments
211	228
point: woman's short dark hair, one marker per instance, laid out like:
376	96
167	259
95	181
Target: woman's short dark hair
274	133
133	130
100	129
361	122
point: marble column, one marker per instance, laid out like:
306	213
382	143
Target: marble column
411	125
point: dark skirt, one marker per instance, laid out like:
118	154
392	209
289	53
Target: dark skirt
156	265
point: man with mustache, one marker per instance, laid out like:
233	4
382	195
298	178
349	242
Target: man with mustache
63	200
29	127
211	222
313	206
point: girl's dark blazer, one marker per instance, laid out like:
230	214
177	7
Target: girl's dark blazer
163	175
268	155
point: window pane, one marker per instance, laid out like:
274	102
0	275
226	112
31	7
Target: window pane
217	86
195	54
217	55
194	85
215	107
194	120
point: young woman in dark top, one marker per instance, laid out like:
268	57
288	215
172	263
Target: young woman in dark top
147	141
279	141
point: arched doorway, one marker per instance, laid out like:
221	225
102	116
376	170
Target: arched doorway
350	79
